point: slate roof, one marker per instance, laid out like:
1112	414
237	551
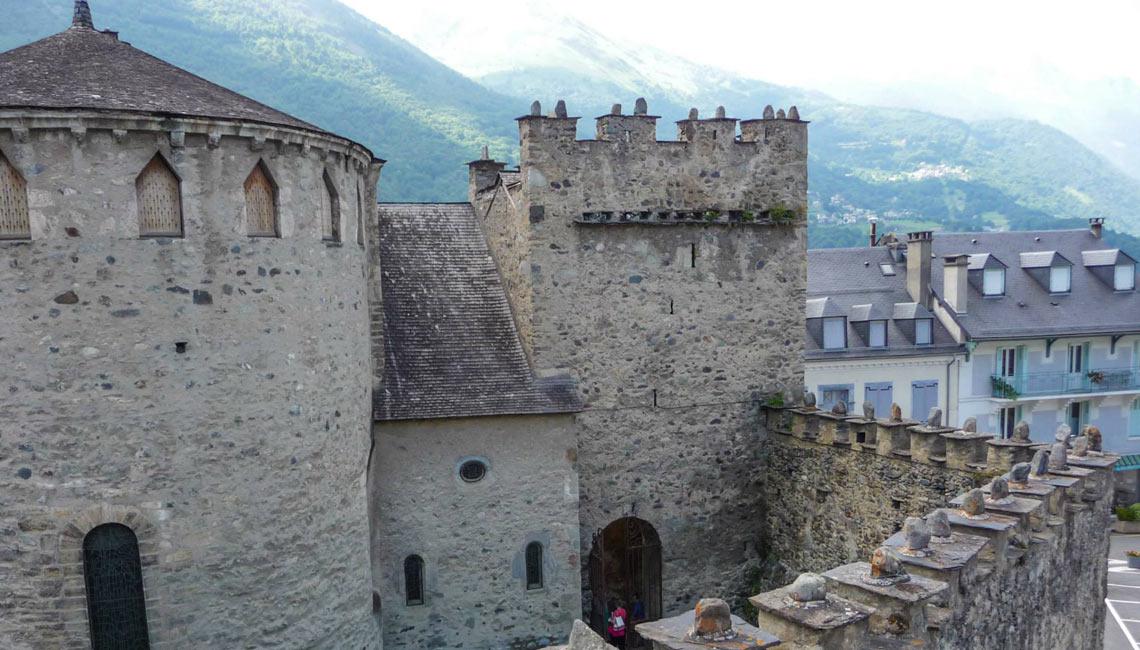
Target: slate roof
85	69
1106	257
851	279
1028	310
450	344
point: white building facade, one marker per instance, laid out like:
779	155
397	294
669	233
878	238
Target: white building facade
1041	327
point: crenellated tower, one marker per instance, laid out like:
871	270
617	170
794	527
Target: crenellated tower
668	278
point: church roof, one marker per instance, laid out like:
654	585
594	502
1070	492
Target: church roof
82	68
450	344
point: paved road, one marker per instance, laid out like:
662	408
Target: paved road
1122	625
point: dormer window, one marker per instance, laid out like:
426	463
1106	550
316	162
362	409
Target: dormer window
834	333
987	274
993	282
878	334
1049	269
923	331
1124	277
1060	279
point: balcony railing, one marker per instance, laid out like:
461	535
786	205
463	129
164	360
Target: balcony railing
1034	384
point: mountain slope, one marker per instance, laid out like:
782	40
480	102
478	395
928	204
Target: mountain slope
323	63
923	166
328	65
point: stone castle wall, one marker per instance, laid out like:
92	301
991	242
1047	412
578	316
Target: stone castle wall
1029	572
207	391
473	536
674	324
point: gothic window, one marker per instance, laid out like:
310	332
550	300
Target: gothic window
159	200
359	218
116	608
14	223
260	203
330	210
414	580
534	565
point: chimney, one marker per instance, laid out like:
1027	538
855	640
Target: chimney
919	246
81	19
955	273
482	174
874	231
1096	226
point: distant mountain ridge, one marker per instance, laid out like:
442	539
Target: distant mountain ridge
326	64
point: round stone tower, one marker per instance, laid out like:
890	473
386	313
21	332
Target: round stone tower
184	401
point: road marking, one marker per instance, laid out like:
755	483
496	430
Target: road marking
1112	584
1123	627
1116	600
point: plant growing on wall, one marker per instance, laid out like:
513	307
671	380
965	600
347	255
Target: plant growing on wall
782	214
711	215
1003	388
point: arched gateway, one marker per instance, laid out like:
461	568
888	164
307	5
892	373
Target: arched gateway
625	565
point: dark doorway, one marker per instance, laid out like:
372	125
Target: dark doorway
625	566
116	607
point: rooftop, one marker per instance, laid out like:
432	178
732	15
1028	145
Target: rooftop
450	344
82	68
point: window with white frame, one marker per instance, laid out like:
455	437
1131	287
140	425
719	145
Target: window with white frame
993	282
878	335
1060	279
923	331
1007	362
1124	277
834	333
1078	357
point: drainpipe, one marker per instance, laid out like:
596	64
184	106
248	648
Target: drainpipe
949	413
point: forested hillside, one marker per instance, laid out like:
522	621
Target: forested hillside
326	64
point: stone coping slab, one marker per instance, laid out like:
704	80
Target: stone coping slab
1076	472
827	614
1002	442
922	428
1032	487
966	435
914	590
1014	505
1065	482
993	522
941	556
1094	462
672	633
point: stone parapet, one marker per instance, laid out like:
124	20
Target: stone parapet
975	574
900	439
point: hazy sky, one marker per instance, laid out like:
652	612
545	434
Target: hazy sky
841	46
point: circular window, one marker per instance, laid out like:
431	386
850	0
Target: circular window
473	471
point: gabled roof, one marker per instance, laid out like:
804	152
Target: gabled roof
450	344
980	261
82	68
1043	259
860	313
910	311
823	308
1107	257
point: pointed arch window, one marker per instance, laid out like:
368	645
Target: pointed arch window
14	221
330	210
414	580
534	565
112	571
261	203
359	217
159	195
